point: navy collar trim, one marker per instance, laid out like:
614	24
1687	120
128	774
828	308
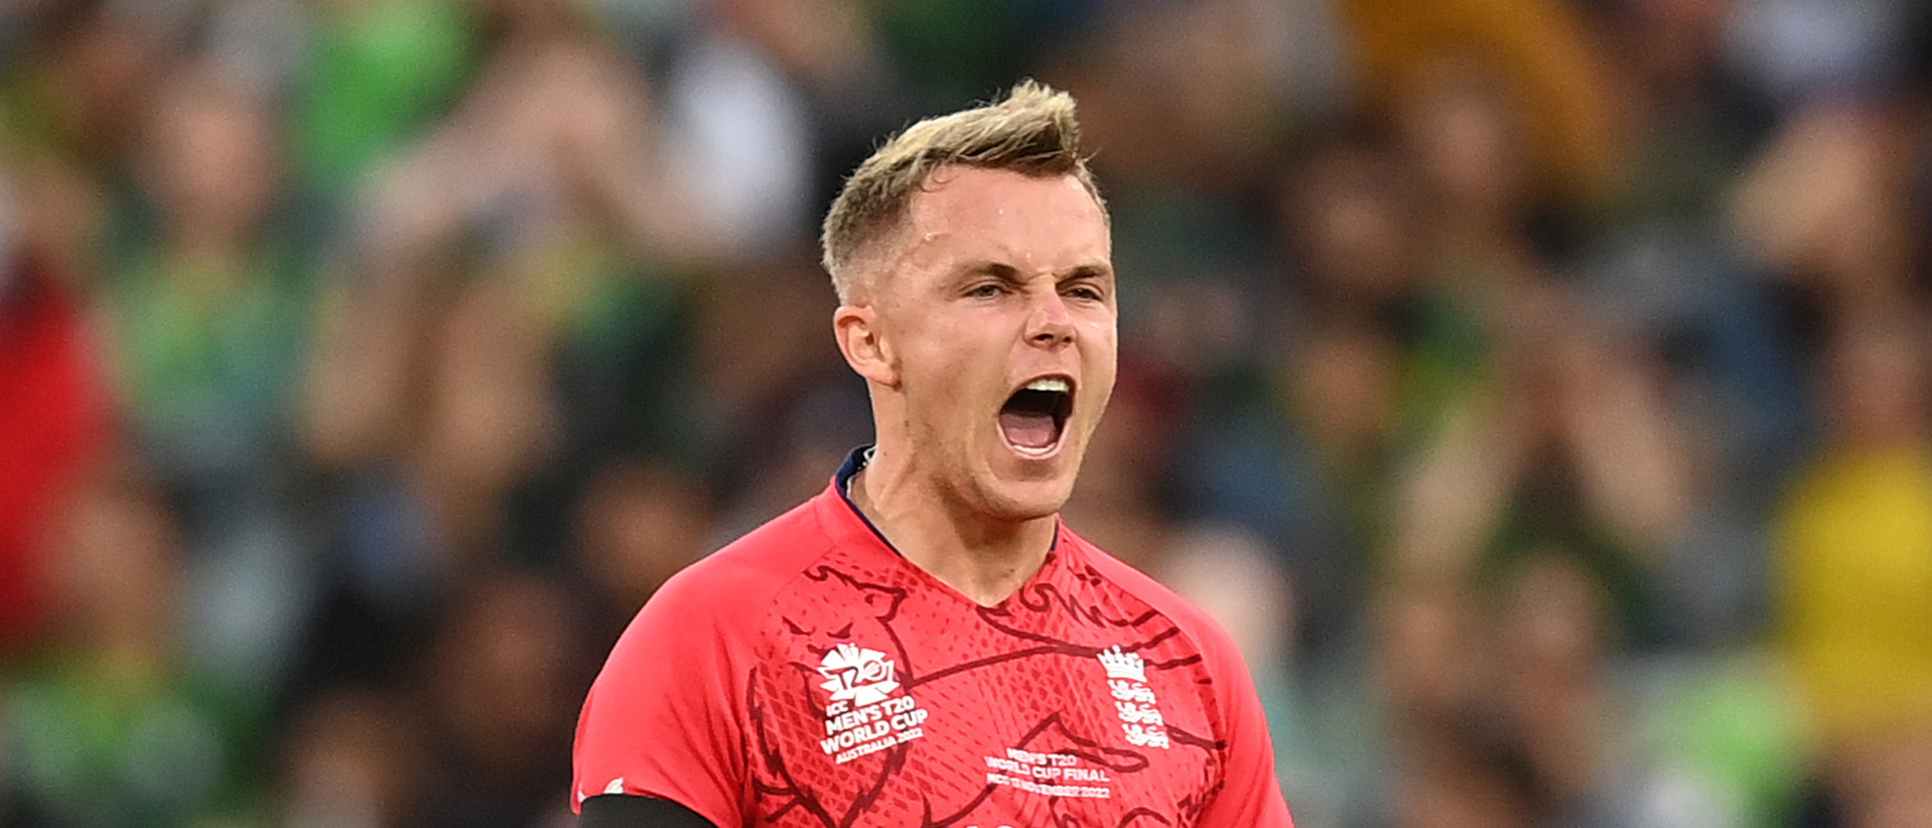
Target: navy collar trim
854	463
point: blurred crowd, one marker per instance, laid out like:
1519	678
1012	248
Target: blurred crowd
1541	390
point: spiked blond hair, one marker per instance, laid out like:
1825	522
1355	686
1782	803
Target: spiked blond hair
1032	132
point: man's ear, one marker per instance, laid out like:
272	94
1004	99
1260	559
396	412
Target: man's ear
864	343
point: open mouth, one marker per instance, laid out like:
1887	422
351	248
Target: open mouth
1036	415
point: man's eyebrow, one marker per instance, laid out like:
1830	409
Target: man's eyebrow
1089	271
998	270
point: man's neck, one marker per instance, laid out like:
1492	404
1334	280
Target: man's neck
985	560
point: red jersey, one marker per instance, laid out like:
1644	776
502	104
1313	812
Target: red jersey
54	417
808	675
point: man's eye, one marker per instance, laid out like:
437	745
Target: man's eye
1086	293
986	291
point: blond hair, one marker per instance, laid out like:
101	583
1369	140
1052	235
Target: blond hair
1032	132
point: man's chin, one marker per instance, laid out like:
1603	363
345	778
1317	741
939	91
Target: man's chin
1030	500
1015	488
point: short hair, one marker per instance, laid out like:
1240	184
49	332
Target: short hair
1032	132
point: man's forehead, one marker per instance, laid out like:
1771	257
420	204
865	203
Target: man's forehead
1001	208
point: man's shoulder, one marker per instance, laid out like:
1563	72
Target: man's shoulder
745	573
1124	576
1193	621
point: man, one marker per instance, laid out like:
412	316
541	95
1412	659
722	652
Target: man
924	644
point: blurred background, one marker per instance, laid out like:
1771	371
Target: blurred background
1537	388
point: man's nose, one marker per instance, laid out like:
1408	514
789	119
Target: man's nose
1049	324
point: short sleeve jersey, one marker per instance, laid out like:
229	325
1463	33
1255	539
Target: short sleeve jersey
808	675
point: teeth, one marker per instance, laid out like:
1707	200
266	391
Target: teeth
1054	384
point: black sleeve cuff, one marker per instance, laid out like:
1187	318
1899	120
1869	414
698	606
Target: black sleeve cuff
626	811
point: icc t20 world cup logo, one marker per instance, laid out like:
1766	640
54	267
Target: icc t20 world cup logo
858	675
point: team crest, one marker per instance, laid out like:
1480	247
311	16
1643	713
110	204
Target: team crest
1134	701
